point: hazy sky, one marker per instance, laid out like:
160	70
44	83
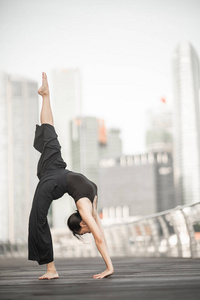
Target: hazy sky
123	48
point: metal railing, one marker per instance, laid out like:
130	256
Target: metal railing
18	249
172	233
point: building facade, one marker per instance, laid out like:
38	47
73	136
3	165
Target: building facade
159	131
90	142
18	158
186	79
143	183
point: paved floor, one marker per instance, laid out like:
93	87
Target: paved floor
134	278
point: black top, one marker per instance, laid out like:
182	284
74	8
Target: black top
79	186
57	180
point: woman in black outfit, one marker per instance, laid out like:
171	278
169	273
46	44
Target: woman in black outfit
54	181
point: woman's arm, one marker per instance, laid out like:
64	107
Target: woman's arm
99	240
97	219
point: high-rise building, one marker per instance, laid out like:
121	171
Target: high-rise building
144	183
65	92
18	158
91	141
159	127
186	79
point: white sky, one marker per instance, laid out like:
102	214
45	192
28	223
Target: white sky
123	48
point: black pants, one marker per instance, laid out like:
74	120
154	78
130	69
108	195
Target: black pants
52	174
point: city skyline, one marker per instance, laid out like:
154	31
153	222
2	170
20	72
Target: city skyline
123	50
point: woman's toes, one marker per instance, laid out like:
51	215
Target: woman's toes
43	277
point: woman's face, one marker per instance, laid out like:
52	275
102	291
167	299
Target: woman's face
84	228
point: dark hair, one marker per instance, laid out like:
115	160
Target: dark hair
73	223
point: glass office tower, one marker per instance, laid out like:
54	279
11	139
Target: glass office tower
186	79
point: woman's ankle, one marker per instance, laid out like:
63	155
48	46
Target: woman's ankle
51	267
51	270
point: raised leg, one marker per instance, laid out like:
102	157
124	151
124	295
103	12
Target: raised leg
46	115
40	242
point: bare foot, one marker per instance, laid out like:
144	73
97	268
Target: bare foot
44	89
49	275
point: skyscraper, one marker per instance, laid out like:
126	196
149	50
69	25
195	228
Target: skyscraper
66	103
91	141
159	127
186	78
18	158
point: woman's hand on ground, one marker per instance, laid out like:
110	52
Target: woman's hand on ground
106	273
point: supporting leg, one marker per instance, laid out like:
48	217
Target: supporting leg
46	115
40	246
51	272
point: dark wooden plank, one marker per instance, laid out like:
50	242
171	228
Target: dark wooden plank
134	278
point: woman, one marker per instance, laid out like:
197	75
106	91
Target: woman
54	181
